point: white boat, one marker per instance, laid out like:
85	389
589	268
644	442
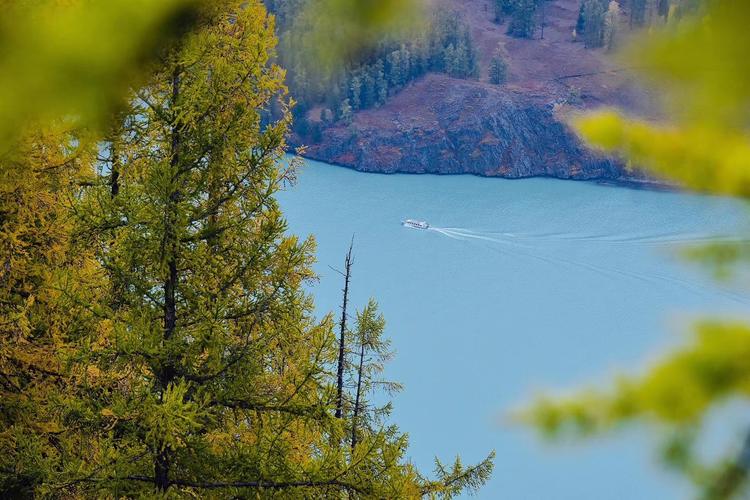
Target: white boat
415	224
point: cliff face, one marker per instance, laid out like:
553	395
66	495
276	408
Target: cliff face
446	126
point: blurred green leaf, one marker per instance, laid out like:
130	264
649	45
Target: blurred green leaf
77	59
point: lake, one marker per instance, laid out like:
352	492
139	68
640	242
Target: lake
521	286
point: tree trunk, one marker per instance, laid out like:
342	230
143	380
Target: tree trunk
342	335
355	414
161	471
162	462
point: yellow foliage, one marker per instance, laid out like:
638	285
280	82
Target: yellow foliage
676	390
700	64
698	156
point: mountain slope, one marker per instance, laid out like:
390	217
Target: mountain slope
447	126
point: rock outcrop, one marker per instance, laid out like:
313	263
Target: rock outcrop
441	125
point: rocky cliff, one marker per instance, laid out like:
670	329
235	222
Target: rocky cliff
447	126
463	127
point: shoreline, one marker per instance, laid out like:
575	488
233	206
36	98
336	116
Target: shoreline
628	183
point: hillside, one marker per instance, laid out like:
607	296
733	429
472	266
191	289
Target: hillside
443	125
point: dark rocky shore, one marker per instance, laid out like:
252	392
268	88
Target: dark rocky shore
446	126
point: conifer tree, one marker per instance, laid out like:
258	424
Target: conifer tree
594	12
371	353
393	68
637	12
503	8
155	338
211	318
522	22
381	84
581	20
611	22
345	112
355	90
39	323
498	70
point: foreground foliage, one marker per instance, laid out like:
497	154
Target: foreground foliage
154	334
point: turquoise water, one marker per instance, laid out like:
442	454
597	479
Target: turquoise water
527	285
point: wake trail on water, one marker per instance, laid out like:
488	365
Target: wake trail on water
466	234
634	239
514	240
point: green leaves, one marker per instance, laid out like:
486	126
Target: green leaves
171	420
73	60
155	332
699	64
454	479
675	391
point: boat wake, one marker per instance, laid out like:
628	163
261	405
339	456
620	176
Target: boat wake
527	246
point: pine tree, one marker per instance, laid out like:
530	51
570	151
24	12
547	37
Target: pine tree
450	64
371	351
345	112
355	92
611	22
405	60
381	84
522	22
472	59
369	91
42	274
393	69
594	12
460	61
504	8
637	12
498	70
211	320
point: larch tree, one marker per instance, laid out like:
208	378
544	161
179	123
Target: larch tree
370	351
39	325
213	374
220	365
498	70
522	22
50	116
155	336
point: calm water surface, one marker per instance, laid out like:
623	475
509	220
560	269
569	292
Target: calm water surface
526	285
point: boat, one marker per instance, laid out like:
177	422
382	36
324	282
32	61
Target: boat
415	224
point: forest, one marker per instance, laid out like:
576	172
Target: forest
156	335
442	44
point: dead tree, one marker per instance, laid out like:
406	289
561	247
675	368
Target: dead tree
342	333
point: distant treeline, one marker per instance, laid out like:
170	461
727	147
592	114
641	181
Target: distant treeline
598	20
444	45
